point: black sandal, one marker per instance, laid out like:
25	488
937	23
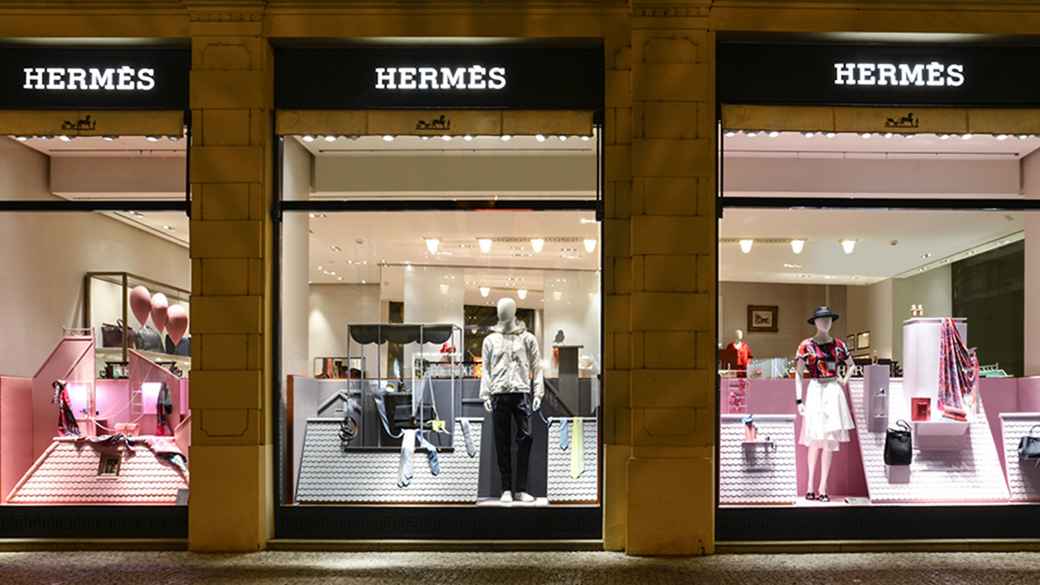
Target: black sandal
823	498
810	495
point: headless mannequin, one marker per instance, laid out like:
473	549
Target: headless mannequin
739	341
511	361
822	336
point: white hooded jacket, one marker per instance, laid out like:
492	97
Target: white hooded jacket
510	361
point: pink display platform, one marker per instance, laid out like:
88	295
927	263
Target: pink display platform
68	473
38	468
776	396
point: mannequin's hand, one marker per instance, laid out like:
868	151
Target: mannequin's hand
537	403
801	409
487	405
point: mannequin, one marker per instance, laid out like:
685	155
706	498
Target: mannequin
742	349
826	419
510	363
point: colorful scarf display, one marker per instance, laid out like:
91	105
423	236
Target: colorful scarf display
958	370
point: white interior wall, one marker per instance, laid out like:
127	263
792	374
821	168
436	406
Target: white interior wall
432	295
296	185
144	177
576	312
47	254
864	176
332	308
933	290
1031	188
870	309
532	175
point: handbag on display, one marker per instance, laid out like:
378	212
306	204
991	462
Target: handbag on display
899	444
183	348
112	335
148	339
1029	446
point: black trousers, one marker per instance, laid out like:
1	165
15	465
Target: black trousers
505	408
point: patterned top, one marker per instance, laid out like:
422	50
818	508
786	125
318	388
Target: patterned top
822	360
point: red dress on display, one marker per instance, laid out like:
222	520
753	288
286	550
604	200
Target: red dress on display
743	355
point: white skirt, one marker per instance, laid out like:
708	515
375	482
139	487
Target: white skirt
827	420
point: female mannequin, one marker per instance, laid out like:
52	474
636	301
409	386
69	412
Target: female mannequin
742	349
826	420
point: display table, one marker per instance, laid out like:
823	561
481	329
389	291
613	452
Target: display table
761	471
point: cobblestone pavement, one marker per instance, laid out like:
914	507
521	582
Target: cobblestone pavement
284	568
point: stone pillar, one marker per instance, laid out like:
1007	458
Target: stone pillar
617	282
672	305
230	505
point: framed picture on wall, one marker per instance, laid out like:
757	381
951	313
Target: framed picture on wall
762	318
863	340
851	343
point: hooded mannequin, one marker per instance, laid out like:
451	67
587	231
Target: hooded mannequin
511	363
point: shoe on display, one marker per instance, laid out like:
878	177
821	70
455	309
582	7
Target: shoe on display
525	497
507	496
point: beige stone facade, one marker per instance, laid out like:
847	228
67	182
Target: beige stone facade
659	226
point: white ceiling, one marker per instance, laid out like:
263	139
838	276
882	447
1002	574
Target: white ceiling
410	145
888	243
117	146
852	145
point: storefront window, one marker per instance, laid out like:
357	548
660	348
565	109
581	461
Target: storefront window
422	348
918	303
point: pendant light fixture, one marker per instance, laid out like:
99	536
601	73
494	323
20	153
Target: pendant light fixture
746	245
590	245
849	246
797	246
485	245
485	291
521	293
537	244
432	245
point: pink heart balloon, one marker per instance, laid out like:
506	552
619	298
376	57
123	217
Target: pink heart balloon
178	324
159	307
140	303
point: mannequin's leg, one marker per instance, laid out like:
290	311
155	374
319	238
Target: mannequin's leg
501	413
825	471
522	420
814	452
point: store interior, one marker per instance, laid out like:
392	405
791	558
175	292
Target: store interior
924	296
402	308
96	305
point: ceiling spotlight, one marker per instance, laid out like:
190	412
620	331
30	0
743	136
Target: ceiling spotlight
341	278
865	135
540	137
888	135
1023	136
446	138
808	134
363	281
432	244
774	134
424	138
537	244
1002	136
745	246
585	138
797	246
506	138
308	138
330	139
831	135
590	245
730	134
169	228
563	138
21	138
148	138
751	134
944	137
521	293
485	291
557	295
468	138
444	289
485	245
849	246
388	138
966	137
64	138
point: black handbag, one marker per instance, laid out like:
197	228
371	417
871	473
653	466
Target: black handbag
112	335
183	348
1029	446
899	444
148	339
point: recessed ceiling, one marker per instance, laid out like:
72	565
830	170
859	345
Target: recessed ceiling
852	145
475	145
888	243
115	146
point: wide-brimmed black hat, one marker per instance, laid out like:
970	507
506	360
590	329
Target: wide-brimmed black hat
823	311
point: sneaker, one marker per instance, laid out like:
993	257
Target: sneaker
507	496
525	497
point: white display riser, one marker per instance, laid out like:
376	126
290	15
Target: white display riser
1023	477
757	475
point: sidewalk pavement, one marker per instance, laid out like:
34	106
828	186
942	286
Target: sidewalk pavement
527	568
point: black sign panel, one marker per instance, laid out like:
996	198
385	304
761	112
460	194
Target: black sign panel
440	77
842	74
94	78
